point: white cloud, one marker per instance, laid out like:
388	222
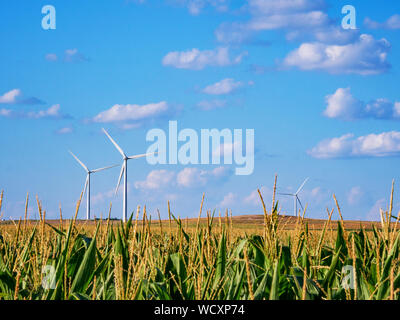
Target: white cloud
191	177
186	178
157	179
355	195
298	18
73	55
197	60
126	114
374	213
52	112
65	130
102	196
296	24
342	105
383	109
373	145
269	7
310	19
51	57
392	23
194	177
10	97
228	200
224	86
254	199
14	97
335	35
195	7
211	105
6	112
366	56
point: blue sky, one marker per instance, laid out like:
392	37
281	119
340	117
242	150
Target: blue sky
323	101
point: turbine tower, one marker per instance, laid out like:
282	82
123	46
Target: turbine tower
124	171
87	183
296	197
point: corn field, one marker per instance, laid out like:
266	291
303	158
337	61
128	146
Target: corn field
166	260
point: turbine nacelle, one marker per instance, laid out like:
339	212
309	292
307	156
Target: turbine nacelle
124	169
296	197
87	182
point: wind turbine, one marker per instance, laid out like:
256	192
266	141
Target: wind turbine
124	171
87	183
296	197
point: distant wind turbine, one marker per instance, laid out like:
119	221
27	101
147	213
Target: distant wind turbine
296	197
124	171
87	183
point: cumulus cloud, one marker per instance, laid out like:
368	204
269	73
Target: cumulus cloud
132	115
253	198
298	18
53	112
14	97
366	56
65	130
228	200
73	55
211	105
51	57
348	146
269	7
393	23
295	24
355	195
70	56
194	177
225	86
10	97
333	35
374	213
197	60
195	7
342	105
310	19
157	179
6	112
186	178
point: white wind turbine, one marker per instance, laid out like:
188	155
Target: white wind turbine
124	171
296	197
87	183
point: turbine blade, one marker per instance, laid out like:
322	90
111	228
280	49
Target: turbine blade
85	187
301	205
114	143
286	194
105	168
79	161
142	155
301	187
120	177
